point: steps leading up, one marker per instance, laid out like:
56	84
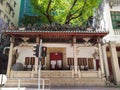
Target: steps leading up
58	82
58	78
77	82
26	82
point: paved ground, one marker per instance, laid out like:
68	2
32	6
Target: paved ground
66	88
86	88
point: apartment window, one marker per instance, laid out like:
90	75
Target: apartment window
0	12
5	16
9	8
8	22
9	1
14	3
115	19
1	1
13	14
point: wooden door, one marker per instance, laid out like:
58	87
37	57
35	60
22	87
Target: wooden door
90	63
56	61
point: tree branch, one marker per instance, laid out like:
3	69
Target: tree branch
69	14
48	7
73	4
47	12
80	12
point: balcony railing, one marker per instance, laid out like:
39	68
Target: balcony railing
114	37
114	2
117	32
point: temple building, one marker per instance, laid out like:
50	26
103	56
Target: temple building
74	56
70	54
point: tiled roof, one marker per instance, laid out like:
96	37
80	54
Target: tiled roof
56	34
65	31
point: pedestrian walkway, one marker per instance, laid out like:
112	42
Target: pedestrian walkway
85	88
64	88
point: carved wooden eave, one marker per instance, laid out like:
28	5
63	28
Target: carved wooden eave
55	34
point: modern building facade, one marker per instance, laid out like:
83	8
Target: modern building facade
25	9
112	40
9	12
112	18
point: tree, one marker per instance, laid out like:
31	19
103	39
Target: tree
30	19
74	12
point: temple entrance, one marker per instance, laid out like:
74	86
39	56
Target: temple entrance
56	62
97	64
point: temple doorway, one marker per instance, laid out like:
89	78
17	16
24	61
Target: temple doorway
56	61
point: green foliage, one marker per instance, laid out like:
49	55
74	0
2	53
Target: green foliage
74	12
30	19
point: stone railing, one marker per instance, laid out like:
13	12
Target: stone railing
114	37
117	32
79	72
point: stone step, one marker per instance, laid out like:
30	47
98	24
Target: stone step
58	82
78	82
26	82
50	74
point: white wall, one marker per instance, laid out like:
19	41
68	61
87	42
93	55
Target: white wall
24	52
86	52
27	51
107	17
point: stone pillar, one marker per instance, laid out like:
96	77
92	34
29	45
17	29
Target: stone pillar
36	59
74	53
10	56
101	58
105	61
114	62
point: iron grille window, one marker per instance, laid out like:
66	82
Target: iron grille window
115	19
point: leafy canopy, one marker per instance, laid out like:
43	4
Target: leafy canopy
74	12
